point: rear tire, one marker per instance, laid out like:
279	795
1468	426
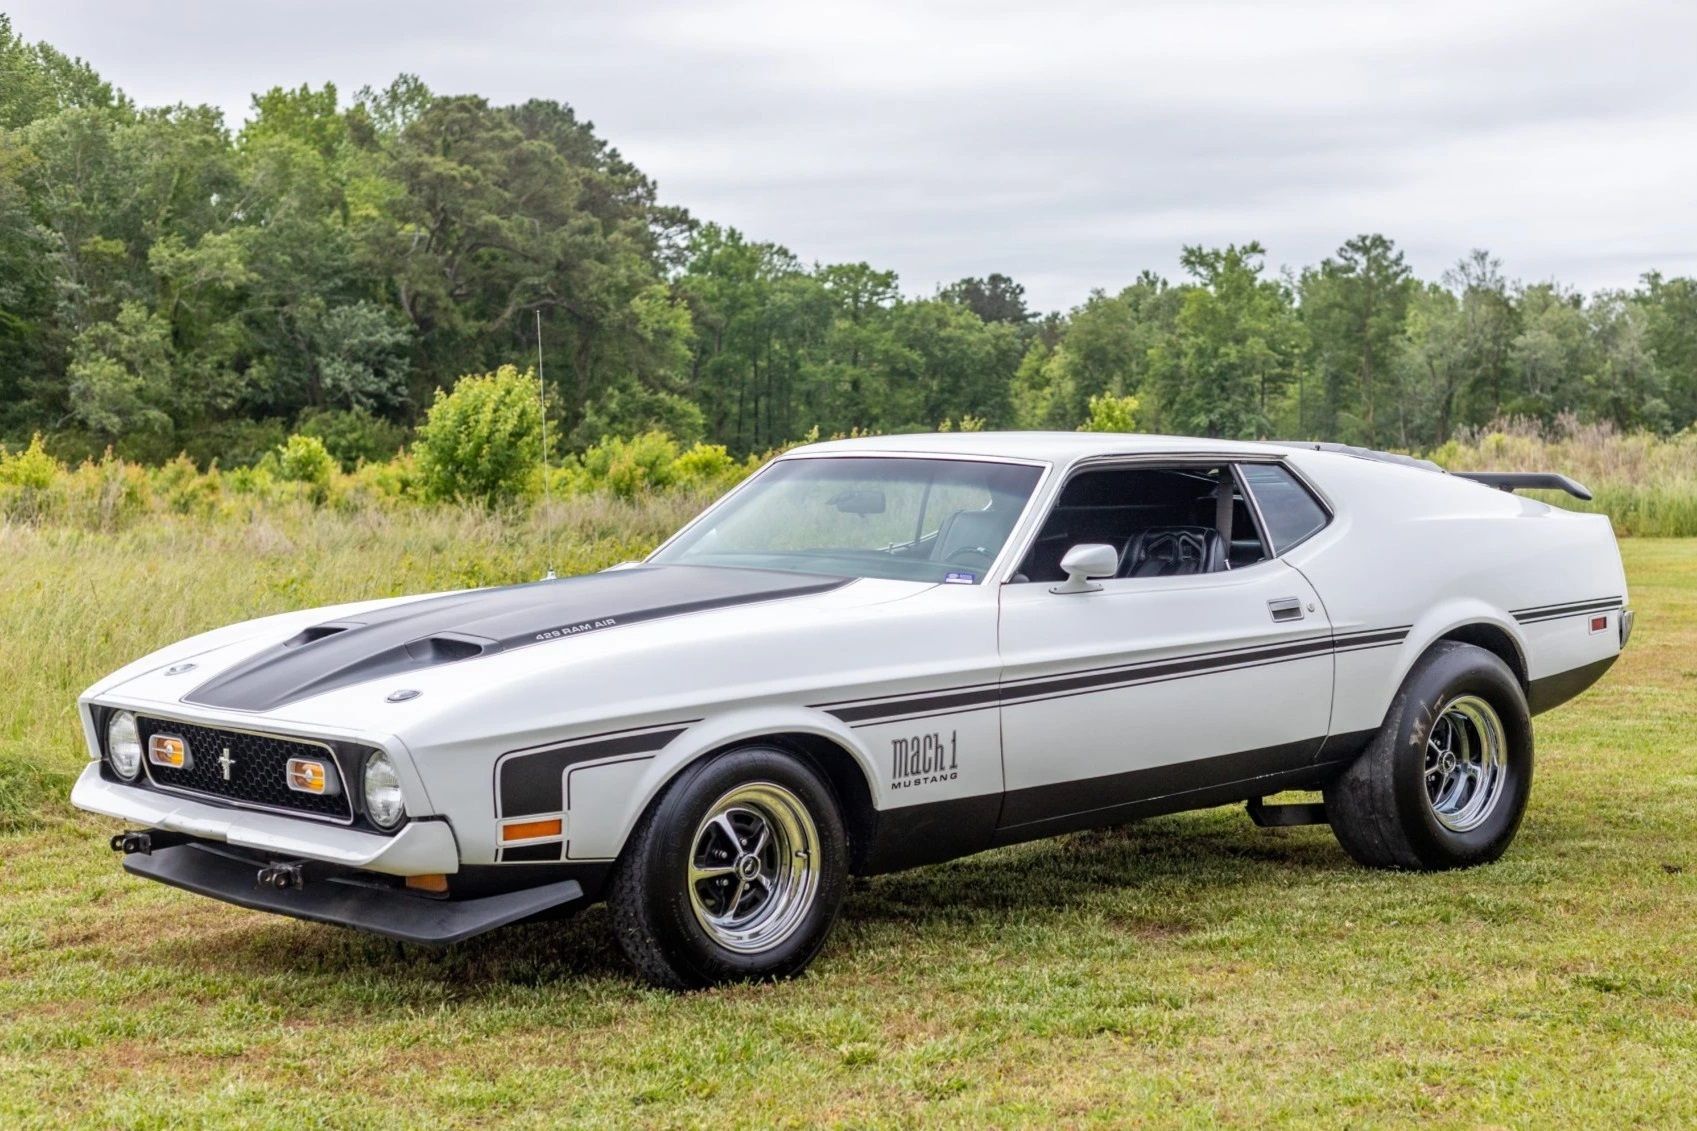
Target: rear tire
1445	781
735	874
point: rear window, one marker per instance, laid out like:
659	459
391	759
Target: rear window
1291	513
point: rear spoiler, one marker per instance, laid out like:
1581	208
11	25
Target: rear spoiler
1502	480
1521	480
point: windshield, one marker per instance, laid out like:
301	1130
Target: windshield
857	516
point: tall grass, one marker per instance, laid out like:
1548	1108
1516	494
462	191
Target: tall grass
1646	484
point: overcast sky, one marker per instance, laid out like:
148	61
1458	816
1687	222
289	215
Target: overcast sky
1069	145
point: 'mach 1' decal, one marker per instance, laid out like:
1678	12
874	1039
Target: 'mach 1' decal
923	759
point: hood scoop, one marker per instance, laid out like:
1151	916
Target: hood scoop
463	626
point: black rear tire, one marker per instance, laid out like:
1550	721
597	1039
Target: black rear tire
1390	808
709	819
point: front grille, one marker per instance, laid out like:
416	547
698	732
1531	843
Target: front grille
256	764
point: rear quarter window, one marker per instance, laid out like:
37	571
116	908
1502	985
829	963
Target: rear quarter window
1290	511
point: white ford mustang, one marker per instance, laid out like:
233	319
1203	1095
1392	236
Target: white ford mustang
876	653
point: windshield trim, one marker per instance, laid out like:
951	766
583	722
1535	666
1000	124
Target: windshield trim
992	575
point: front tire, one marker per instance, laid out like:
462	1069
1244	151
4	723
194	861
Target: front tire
734	874
1445	781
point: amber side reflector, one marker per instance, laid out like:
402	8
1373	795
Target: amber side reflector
167	750
435	883
525	830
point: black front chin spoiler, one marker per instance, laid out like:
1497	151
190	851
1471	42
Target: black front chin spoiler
390	912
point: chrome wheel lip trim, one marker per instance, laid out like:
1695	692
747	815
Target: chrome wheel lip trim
779	852
1465	764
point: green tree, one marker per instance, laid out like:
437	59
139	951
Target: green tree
1625	384
1485	333
1551	354
1237	343
121	374
996	298
1431	359
1353	307
1105	347
1670	307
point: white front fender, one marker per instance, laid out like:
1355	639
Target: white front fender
605	800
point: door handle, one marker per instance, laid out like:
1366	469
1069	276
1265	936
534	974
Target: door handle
1285	608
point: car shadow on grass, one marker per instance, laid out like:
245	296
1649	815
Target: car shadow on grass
1171	866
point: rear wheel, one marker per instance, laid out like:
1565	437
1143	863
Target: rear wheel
735	874
1446	780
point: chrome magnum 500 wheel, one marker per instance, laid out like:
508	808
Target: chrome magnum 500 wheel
1445	781
754	869
1466	763
735	874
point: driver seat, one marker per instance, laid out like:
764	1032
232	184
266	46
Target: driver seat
1174	551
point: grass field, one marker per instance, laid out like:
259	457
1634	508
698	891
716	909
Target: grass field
1186	970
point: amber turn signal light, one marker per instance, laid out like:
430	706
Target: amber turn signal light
308	775
435	883
529	830
168	750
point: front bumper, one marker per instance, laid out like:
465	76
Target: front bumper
421	847
390	912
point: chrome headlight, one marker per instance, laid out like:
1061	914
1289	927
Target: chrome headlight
123	745
383	804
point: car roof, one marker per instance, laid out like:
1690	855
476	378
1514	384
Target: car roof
1053	447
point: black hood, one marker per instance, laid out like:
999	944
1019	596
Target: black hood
460	626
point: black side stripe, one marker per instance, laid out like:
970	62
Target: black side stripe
1084	681
1542	613
532	781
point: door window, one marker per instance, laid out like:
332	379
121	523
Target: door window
1162	521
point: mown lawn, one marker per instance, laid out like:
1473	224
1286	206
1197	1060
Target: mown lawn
1188	970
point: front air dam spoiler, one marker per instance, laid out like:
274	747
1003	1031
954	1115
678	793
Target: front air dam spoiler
389	912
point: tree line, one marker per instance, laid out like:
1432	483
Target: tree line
170	283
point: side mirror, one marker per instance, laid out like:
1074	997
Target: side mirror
1085	561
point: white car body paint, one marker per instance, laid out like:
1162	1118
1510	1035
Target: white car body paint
973	714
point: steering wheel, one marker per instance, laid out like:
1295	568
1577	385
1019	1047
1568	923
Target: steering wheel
984	556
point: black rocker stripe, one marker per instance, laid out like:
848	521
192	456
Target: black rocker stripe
1085	795
1084	681
1572	609
532	781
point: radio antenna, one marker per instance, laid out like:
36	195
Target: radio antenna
542	401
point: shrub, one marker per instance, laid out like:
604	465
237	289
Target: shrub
31	469
706	466
482	441
388	481
185	488
104	495
304	459
25	478
353	436
1109	413
628	467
